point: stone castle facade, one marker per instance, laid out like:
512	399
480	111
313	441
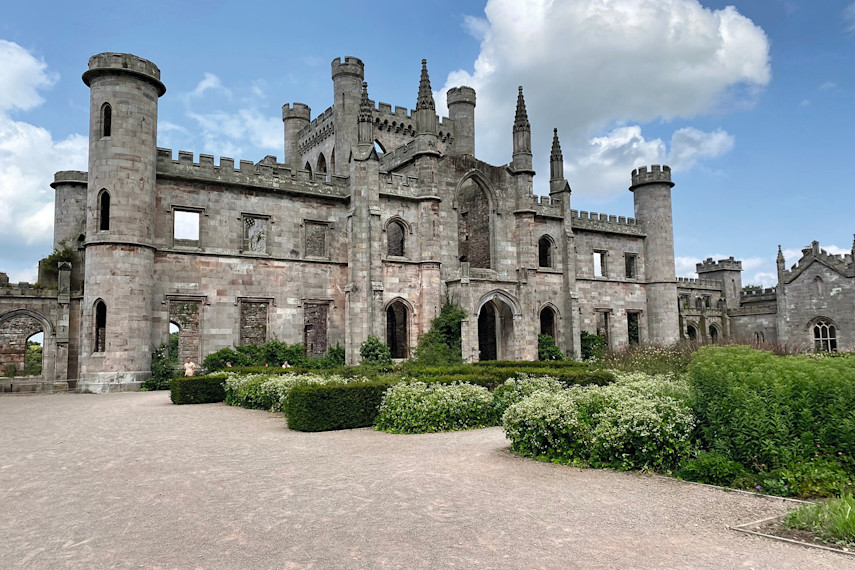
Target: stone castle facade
374	219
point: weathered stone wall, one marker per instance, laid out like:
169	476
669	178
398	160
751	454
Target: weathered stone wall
808	299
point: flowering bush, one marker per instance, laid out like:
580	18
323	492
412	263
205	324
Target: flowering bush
417	407
639	421
270	391
515	389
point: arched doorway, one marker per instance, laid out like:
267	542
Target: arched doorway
496	331
692	332
547	321
396	329
714	333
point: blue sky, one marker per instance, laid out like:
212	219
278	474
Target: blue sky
752	105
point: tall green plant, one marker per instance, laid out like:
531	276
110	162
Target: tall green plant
441	345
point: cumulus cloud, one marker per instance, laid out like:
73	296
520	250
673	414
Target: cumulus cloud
600	70
849	18
29	156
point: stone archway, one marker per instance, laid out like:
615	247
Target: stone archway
396	329
496	331
16	328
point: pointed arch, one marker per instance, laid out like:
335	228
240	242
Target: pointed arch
100	328
399	315
309	168
322	165
106	120
715	333
545	249
504	296
823	334
396	230
475	201
496	314
378	147
104	210
549	320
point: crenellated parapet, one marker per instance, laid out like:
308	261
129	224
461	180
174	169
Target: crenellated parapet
842	264
691	283
399	185
708	265
266	174
606	223
124	64
656	175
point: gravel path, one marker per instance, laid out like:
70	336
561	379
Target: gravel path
130	480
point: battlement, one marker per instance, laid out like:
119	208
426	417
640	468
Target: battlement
69	177
691	283
399	185
606	223
123	64
321	119
267	174
350	66
656	175
462	94
759	292
709	265
298	111
26	289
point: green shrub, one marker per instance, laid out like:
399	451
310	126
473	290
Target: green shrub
164	364
673	360
516	389
441	345
761	409
270	392
546	349
639	421
375	352
197	389
832	521
418	407
593	346
334	406
33	359
712	468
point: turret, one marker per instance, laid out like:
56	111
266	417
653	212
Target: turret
347	76
461	109
522	137
728	272
69	229
652	197
124	90
294	119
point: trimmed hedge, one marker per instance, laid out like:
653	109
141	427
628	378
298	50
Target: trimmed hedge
334	406
198	389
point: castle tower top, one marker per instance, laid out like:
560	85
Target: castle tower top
425	99
708	265
656	175
350	66
123	64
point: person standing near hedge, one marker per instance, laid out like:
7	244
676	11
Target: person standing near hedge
189	367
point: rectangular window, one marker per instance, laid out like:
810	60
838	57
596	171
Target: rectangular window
316	239
254	234
603	325
600	269
630	260
253	322
632	328
185	228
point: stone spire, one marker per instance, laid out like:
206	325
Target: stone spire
780	259
425	100
366	118
521	119
557	183
522	137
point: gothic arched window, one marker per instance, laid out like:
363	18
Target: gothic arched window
104	210
544	252
100	326
106	120
824	336
395	233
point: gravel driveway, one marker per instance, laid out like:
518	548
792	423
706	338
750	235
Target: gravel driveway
130	480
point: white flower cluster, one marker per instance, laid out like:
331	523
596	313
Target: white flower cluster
271	391
417	407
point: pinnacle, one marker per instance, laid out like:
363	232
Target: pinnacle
366	109
425	100
521	119
556	147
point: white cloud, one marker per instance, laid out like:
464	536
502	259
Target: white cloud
688	145
595	68
29	156
209	82
849	18
827	85
21	76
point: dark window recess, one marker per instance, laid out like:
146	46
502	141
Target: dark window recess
630	260
547	322
106	120
395	239
104	211
315	329
396	329
632	328
100	327
544	252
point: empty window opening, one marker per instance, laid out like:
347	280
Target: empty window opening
824	336
692	332
759	336
104	211
395	239
106	120
185	229
474	237
630	260
699	303
544	252
100	327
600	263
713	333
315	329
255	234
309	168
603	326
379	147
172	346
396	329
316	239
547	322
632	328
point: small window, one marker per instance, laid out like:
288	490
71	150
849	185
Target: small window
824	336
759	336
819	286
713	333
692	332
316	239
106	120
255	234
100	326
309	168
547	322
630	260
395	233
600	269
699	303
104	210
185	228
603	326
632	328
544	252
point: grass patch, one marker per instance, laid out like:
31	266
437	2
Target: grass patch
832	521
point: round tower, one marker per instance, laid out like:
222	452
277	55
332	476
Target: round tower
461	109
652	197
69	228
294	119
347	76
115	347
